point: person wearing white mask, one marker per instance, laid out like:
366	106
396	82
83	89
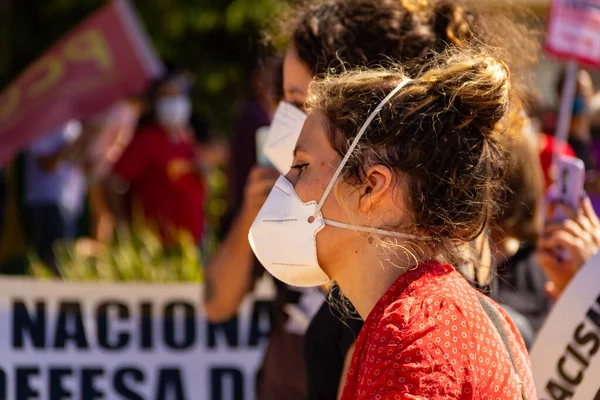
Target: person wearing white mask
392	178
160	166
54	191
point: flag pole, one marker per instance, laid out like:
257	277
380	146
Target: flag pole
566	109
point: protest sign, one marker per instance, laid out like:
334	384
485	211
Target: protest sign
125	341
102	60
573	34
574	31
564	358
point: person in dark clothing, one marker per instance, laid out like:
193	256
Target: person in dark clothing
329	337
232	272
518	284
54	192
521	289
200	128
255	111
3	195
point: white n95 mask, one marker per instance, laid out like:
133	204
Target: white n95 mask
282	137
284	234
174	111
284	241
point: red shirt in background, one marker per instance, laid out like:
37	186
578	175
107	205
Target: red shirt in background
164	181
428	337
546	150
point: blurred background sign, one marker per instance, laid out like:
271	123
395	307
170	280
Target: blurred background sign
574	31
564	357
105	58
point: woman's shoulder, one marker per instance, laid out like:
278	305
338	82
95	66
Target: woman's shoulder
420	346
433	301
428	296
444	338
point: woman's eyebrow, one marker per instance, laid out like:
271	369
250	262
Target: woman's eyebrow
299	148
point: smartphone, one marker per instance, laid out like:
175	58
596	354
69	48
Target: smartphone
261	138
567	189
570	179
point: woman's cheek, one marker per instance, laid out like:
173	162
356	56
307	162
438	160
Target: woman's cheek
303	190
308	185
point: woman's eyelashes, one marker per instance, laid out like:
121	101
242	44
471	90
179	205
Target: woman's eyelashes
300	167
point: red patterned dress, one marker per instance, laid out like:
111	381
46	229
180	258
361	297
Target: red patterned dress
429	337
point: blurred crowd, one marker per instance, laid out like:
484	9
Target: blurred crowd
151	157
147	156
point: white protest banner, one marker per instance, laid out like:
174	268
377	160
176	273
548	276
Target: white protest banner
564	358
124	341
573	31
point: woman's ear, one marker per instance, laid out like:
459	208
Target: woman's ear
378	182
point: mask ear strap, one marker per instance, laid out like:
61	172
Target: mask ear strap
362	130
373	230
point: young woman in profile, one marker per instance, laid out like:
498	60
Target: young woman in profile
391	177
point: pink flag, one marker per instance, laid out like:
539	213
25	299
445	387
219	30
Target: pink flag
105	58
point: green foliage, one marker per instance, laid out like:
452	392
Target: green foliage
216	39
137	257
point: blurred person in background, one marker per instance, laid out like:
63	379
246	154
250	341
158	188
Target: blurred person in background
233	270
54	191
113	134
580	128
593	177
212	151
545	141
518	281
529	274
101	144
581	140
548	145
254	111
579	234
162	167
595	115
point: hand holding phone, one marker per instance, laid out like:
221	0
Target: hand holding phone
570	178
566	195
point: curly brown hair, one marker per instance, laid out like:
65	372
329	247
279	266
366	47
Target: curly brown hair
441	132
330	35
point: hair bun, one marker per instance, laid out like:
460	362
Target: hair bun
476	88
